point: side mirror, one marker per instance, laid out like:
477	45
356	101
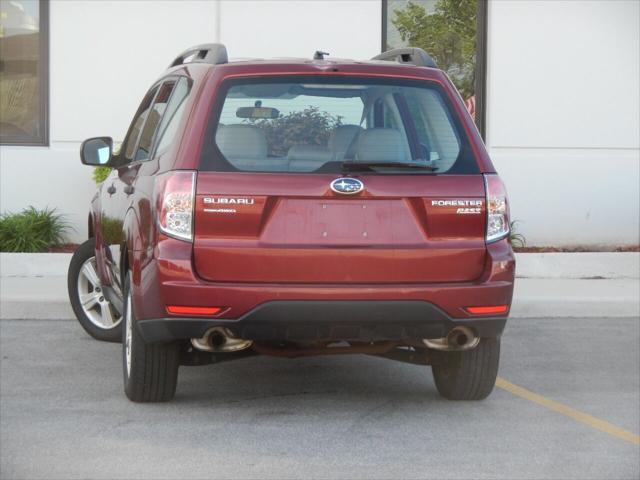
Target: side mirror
96	151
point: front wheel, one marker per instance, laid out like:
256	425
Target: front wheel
150	370
468	374
94	312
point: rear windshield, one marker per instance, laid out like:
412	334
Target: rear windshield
321	125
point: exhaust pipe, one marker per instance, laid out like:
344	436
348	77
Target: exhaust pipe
459	338
217	339
220	340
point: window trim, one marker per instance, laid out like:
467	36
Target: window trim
146	119
482	11
156	140
122	160
43	139
122	155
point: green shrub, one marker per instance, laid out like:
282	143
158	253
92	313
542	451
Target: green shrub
32	230
100	174
517	239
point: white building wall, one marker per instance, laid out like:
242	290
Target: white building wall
294	28
563	105
104	55
564	117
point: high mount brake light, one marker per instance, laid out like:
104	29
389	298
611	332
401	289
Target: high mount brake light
174	200
497	208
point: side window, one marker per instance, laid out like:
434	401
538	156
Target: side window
172	115
137	124
153	120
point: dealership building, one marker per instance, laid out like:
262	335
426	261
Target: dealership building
557	92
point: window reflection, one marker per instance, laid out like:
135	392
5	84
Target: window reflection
444	29
21	73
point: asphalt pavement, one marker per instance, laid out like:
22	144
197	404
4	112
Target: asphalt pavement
63	413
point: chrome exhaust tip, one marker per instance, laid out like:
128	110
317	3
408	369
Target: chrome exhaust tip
458	339
220	340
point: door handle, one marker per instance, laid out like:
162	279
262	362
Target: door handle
111	190
129	189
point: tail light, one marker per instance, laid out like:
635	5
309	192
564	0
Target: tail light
497	208
174	200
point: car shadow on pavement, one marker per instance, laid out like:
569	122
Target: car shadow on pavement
299	380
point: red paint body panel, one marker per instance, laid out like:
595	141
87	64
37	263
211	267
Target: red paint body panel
298	231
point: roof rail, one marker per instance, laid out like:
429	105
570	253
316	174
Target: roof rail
410	55
212	53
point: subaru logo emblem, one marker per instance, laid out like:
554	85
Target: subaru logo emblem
347	186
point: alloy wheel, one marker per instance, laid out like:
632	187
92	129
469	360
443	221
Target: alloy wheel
128	333
92	300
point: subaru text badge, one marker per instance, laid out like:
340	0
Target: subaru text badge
347	186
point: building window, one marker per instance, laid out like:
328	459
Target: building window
453	33
24	69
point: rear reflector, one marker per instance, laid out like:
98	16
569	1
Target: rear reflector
487	310
179	310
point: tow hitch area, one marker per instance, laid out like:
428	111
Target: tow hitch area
210	349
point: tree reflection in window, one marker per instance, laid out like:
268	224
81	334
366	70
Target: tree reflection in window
23	101
446	29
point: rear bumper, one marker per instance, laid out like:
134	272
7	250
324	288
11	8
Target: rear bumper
301	311
308	321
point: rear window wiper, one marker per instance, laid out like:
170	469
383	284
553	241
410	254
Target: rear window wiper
351	166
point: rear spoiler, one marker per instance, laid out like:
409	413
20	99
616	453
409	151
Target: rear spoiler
409	55
211	53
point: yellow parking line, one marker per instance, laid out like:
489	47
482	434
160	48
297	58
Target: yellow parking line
581	417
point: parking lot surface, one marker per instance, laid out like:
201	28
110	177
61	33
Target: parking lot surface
63	413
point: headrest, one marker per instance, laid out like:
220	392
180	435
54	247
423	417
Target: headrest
341	139
380	145
241	141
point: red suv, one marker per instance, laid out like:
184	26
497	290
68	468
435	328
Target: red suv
297	207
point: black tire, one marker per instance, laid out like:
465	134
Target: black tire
470	374
84	253
153	373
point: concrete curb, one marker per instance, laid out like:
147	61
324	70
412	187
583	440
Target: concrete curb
579	265
533	298
34	264
549	285
560	298
34	297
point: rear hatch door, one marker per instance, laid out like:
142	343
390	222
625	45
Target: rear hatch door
272	228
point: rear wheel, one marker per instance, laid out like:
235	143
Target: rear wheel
150	370
469	374
94	312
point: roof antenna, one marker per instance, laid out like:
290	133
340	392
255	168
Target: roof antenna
319	55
